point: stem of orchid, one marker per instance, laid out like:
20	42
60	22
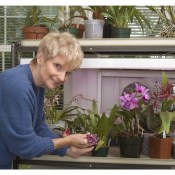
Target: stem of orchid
142	132
109	141
164	134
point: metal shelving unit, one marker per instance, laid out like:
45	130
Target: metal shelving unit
92	49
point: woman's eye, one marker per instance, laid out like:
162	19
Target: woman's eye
58	66
68	73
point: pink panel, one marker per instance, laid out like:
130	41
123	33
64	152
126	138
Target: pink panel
84	81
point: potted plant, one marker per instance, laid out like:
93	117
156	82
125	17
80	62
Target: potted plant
94	26
65	21
133	105
161	143
120	16
80	10
167	16
59	117
100	125
35	24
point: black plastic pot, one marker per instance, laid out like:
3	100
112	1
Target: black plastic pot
120	32
130	146
101	152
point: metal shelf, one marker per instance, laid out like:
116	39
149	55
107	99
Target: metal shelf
114	46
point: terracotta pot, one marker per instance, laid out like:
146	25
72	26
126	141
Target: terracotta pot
81	30
160	148
34	32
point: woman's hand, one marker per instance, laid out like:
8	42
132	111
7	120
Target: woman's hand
76	152
78	140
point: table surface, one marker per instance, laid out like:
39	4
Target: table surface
112	158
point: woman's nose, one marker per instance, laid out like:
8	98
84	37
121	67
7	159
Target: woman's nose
62	76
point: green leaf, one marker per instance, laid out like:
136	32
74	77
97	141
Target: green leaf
82	118
164	79
99	144
94	107
167	118
92	120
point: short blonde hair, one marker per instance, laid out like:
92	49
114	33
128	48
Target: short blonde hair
62	44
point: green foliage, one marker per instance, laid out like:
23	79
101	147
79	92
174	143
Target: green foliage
61	23
165	13
163	116
98	124
166	118
166	115
164	81
54	111
34	17
150	121
121	16
97	11
130	121
52	107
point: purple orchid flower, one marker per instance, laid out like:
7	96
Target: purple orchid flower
92	138
128	101
143	91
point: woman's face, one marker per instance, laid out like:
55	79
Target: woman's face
53	72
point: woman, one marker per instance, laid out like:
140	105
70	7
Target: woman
23	131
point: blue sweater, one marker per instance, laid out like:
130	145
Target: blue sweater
23	131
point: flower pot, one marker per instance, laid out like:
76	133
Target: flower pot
74	31
101	152
107	31
160	148
145	145
94	28
81	30
120	32
173	150
130	146
34	32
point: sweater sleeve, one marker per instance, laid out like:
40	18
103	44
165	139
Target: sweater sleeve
17	102
43	130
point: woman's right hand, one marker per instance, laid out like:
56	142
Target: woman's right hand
78	140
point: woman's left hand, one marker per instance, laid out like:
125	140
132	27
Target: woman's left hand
77	152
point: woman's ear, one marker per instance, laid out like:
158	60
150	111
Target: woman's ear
40	58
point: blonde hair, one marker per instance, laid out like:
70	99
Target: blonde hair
61	44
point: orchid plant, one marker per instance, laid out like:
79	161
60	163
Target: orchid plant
54	109
162	102
133	104
99	125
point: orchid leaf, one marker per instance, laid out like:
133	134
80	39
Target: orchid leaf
99	144
92	120
166	118
164	79
94	107
82	118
